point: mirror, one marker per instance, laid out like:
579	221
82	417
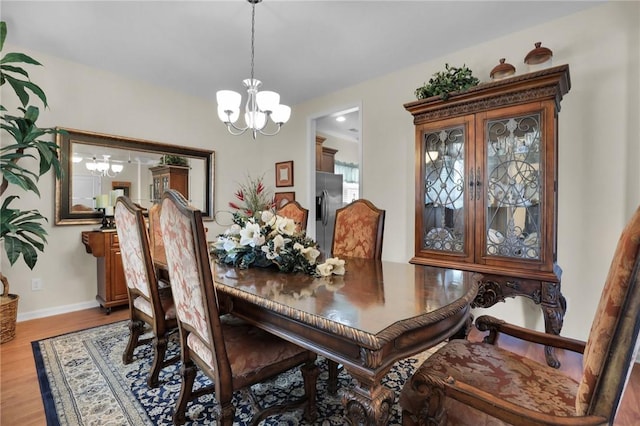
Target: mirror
99	167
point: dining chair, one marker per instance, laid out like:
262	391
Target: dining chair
480	383
358	232
148	304
232	353
293	210
158	253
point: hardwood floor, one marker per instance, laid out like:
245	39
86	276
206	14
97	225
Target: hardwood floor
21	403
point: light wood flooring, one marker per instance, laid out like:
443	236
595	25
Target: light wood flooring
21	403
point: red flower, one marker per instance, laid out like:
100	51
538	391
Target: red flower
248	212
240	195
260	187
234	206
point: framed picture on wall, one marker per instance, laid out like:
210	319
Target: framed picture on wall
284	173
282	198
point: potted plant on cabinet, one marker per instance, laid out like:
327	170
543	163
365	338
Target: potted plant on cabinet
21	231
443	83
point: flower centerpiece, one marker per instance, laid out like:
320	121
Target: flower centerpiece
268	239
259	237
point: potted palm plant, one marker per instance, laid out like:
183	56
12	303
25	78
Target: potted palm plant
21	231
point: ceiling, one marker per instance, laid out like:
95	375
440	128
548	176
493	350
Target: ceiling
303	49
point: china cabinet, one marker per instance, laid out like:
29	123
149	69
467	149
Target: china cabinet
486	188
112	287
170	177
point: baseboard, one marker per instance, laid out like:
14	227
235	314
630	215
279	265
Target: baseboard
41	313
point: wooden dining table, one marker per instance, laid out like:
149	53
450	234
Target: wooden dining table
376	314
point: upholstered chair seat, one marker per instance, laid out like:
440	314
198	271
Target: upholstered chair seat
478	383
498	372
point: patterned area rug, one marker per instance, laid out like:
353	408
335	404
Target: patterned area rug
84	382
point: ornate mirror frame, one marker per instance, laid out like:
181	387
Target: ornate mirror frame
137	157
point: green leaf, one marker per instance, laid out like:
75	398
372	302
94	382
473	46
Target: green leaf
18	87
18	57
36	91
30	255
3	34
11	68
13	248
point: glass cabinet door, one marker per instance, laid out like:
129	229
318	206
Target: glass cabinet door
443	218
513	187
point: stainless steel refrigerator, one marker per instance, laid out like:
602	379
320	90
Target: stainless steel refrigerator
328	200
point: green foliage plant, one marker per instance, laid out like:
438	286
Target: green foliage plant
443	83
22	230
174	160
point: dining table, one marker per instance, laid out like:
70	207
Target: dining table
374	315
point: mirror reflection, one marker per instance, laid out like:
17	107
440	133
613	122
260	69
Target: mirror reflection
98	168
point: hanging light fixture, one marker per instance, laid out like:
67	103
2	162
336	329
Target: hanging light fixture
104	167
260	106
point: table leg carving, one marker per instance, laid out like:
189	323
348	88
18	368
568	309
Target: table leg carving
368	405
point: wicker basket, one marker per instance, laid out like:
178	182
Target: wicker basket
8	312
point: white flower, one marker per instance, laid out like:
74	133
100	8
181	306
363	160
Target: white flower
279	243
324	269
251	236
266	216
332	265
233	230
285	225
229	245
309	253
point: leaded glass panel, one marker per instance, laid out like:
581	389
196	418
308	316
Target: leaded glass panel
443	218
514	188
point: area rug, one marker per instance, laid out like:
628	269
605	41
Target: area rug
84	382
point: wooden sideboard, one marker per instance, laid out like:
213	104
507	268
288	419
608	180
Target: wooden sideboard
112	287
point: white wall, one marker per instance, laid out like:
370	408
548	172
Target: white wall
599	183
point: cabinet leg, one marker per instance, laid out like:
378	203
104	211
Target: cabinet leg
553	320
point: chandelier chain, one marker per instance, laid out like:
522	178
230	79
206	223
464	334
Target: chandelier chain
253	33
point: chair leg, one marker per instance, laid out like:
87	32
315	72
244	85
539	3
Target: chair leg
310	372
136	329
159	351
333	377
188	372
227	413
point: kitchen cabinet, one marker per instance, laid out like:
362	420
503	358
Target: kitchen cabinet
325	156
486	194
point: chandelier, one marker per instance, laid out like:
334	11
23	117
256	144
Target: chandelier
104	167
260	106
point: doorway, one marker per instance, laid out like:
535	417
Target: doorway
336	156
